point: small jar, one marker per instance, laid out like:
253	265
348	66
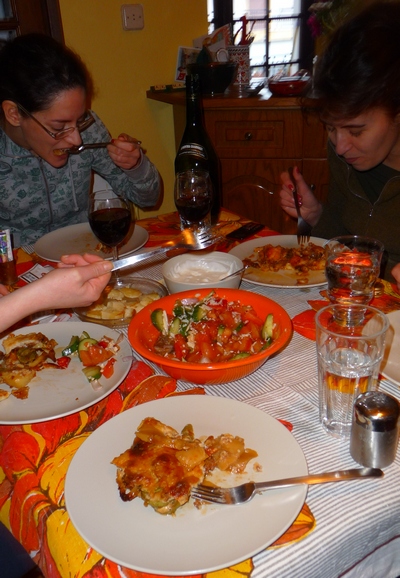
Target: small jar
375	429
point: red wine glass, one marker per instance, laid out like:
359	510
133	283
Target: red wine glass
193	198
110	218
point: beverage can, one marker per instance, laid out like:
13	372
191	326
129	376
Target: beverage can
8	272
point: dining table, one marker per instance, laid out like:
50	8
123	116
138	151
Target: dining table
348	529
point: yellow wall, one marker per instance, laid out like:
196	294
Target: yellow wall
124	64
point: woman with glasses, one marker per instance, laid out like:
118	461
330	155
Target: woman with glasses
357	82
45	92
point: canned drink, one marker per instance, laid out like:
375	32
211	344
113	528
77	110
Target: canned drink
8	272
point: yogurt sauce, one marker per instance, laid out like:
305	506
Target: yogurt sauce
203	270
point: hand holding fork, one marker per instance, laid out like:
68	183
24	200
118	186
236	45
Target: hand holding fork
303	228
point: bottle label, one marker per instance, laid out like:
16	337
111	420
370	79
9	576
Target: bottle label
193	149
6	253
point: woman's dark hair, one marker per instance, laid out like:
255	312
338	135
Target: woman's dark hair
35	68
360	68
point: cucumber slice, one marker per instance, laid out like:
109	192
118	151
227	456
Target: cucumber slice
92	373
268	328
199	312
175	326
72	347
84	344
160	320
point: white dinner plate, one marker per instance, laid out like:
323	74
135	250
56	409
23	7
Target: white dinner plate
193	541
283	278
59	392
390	367
80	239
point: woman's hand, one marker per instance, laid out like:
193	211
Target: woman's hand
77	281
311	208
125	152
3	290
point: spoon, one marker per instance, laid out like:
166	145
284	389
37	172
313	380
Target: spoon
78	149
235	273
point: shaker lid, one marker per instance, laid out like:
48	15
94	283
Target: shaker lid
377	411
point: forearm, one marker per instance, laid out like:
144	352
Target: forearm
19	304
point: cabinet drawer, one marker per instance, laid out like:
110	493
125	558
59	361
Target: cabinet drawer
255	132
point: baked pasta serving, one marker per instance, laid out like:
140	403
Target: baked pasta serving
163	466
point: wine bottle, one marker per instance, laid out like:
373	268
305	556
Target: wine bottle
196	150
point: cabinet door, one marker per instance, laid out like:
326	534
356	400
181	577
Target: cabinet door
251	188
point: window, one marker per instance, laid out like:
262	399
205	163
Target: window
282	38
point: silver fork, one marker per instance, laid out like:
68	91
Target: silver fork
303	228
188	240
245	492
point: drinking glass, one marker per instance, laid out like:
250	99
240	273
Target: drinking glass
352	269
193	199
349	358
110	218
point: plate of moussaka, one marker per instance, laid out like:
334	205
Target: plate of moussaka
127	488
54	369
279	261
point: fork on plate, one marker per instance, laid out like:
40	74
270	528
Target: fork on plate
303	228
187	240
245	492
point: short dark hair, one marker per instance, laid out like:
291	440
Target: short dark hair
35	68
360	68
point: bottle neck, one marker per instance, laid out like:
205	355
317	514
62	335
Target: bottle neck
194	105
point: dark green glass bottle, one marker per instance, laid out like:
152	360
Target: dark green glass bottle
196	150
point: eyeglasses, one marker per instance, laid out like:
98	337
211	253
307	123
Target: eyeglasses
81	125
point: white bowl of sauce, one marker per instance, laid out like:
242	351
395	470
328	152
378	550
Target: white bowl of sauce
199	270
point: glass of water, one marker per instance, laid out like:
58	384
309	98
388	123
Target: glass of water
349	358
352	269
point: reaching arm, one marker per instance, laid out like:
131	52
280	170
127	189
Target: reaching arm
77	282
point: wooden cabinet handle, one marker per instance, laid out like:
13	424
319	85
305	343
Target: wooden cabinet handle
248	136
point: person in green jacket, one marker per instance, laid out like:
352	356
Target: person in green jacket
45	93
357	83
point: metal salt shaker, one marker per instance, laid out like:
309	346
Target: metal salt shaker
375	429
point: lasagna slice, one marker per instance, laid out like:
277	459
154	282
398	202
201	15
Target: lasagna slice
161	467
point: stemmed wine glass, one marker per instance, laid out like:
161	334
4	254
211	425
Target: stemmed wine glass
193	199
110	218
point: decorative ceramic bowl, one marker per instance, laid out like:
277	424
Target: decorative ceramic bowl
215	77
142	335
200	270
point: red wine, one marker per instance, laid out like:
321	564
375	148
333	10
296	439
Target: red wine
196	150
194	209
110	225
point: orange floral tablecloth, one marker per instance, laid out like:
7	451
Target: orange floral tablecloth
34	458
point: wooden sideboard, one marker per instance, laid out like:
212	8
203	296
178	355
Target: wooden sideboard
256	138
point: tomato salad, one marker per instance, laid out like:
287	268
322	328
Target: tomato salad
211	330
97	356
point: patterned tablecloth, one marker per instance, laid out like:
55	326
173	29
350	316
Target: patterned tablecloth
349	529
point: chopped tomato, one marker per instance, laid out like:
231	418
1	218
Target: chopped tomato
63	361
94	355
108	369
180	347
103	344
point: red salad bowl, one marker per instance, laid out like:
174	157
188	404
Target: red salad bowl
142	335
